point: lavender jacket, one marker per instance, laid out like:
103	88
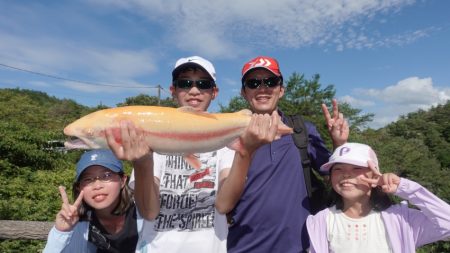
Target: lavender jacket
407	228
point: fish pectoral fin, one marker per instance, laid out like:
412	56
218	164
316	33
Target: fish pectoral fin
236	145
189	109
283	129
193	160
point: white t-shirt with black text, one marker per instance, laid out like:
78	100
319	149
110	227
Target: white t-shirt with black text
188	220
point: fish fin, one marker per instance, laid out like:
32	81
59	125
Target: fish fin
283	129
236	145
189	109
193	160
245	112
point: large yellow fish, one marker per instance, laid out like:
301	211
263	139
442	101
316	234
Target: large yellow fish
182	131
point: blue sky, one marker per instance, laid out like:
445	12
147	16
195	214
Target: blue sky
387	57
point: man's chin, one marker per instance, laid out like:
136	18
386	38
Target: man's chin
263	109
197	106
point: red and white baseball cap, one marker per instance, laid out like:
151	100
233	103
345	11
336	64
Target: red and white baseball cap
264	62
195	61
352	153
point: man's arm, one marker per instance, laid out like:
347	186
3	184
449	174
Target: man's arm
261	130
133	148
146	189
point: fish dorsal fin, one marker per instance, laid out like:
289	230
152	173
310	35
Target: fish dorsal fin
189	109
245	112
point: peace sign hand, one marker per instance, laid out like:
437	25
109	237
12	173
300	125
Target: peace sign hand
389	182
337	126
68	217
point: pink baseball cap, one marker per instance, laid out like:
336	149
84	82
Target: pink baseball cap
352	153
264	62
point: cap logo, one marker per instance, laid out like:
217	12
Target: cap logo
94	157
262	62
344	151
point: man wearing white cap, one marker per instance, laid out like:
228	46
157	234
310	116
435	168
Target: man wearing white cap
180	203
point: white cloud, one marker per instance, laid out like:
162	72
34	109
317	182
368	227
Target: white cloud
407	95
412	91
357	103
217	28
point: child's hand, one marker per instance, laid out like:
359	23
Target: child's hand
67	217
388	182
132	146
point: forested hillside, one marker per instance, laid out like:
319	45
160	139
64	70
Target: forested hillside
31	167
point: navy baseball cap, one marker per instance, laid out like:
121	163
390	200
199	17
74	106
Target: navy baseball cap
102	157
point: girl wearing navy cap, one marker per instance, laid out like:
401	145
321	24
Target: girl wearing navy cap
103	217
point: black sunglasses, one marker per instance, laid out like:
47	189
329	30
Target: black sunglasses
270	82
202	84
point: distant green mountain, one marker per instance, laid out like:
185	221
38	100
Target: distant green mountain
37	109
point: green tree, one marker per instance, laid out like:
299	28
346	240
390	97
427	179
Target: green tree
305	97
432	127
236	104
143	99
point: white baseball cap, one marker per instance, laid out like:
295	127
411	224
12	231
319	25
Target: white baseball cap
195	61
352	153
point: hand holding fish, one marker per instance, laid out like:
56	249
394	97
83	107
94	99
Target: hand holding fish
182	131
261	130
132	145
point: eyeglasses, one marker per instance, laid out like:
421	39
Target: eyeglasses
105	177
202	84
254	83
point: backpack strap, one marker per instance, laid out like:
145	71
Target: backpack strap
301	139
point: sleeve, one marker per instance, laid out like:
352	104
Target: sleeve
158	164
132	180
317	231
318	152
226	157
67	242
432	221
157	161
57	240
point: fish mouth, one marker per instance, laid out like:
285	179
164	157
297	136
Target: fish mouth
79	143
